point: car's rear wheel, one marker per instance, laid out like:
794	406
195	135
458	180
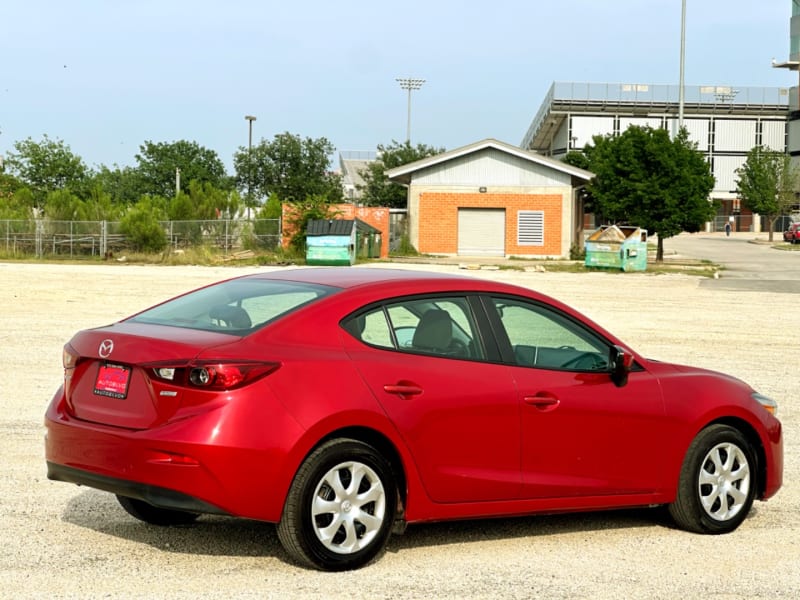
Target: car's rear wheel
717	483
340	507
155	515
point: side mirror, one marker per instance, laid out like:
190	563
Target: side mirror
621	363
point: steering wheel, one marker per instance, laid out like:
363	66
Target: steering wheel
458	348
585	361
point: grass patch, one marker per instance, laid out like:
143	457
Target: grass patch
193	256
786	247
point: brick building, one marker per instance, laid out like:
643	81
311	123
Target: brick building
493	199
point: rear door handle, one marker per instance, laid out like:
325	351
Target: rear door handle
404	390
543	401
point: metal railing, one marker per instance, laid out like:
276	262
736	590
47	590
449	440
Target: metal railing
43	237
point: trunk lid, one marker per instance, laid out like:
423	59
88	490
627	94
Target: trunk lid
110	383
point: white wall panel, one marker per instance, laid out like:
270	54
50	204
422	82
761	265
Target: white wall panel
585	127
725	172
794	136
697	128
625	122
734	135
773	135
491	167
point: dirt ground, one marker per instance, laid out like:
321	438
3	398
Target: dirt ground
62	541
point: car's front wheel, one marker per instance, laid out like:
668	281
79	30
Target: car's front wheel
340	507
155	515
717	483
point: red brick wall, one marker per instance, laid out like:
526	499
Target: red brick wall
438	220
376	216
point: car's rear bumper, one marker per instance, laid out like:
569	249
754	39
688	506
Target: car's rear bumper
206	463
152	494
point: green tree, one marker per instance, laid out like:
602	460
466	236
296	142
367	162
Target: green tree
377	189
264	231
142	228
195	213
644	178
46	166
271	208
582	160
100	206
579	159
313	207
63	205
767	183
289	166
125	185
157	165
16	200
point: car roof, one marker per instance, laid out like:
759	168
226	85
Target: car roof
353	277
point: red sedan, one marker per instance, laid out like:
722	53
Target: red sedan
342	404
792	234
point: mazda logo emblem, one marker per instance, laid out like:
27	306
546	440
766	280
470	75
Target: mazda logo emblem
106	348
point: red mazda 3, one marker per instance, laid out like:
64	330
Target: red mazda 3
342	404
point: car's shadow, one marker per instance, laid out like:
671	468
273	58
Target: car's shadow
227	536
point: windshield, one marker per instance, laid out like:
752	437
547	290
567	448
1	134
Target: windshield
239	306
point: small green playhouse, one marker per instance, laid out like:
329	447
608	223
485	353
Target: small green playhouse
341	241
617	247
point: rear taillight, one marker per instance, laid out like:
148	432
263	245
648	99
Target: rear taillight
212	375
69	357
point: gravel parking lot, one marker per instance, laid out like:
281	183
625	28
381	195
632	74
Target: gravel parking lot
61	541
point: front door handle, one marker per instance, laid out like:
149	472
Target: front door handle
543	401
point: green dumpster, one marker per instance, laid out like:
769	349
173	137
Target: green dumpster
340	241
617	247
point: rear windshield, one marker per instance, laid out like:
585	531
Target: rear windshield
238	306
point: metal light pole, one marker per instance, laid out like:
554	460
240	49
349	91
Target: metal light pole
683	58
249	119
409	83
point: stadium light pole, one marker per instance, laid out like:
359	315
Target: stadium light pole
409	83
249	119
681	86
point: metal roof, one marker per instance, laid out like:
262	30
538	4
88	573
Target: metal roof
566	98
404	173
338	227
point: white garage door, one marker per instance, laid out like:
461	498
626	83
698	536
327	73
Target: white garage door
481	231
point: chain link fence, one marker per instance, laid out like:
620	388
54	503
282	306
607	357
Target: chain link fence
43	237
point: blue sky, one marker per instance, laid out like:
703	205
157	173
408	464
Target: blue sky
104	76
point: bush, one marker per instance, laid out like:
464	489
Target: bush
577	252
405	247
142	230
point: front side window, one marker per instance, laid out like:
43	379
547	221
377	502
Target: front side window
544	338
438	326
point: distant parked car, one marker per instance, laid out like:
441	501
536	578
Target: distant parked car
343	404
792	235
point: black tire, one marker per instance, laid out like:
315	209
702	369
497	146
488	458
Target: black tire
155	515
340	507
717	483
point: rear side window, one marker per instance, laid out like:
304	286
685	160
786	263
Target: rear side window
238	306
441	326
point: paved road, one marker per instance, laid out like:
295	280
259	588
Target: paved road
750	263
